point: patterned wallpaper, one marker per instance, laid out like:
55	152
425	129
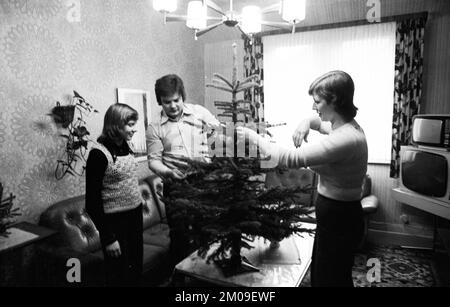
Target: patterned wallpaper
46	53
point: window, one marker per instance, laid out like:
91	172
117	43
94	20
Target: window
367	53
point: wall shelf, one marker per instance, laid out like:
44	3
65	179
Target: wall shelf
424	203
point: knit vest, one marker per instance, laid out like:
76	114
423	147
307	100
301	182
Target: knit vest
120	190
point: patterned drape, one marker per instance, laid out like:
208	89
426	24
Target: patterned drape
408	84
253	64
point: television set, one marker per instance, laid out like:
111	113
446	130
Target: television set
431	130
424	179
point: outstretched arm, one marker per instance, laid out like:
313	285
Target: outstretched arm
302	131
331	149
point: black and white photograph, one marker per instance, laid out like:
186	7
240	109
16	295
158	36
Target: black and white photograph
199	146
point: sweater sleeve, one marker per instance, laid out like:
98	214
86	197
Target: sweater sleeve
95	171
335	147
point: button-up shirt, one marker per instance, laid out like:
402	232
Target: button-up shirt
185	137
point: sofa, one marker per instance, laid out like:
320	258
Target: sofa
78	238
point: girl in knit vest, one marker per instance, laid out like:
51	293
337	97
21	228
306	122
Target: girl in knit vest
113	199
340	159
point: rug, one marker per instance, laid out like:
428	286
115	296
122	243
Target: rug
399	267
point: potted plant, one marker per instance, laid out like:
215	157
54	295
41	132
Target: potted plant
63	115
76	135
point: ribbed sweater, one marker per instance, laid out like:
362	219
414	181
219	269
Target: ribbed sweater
340	159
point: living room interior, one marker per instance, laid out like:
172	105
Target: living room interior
60	52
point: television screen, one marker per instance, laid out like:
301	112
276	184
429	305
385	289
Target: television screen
424	172
427	130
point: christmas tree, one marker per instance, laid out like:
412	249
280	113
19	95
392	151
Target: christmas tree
7	213
225	201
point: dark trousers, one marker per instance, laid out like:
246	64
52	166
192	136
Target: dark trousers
181	244
125	270
340	226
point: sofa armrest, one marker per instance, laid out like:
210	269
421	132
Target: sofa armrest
369	204
156	187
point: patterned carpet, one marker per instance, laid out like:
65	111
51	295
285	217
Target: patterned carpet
399	267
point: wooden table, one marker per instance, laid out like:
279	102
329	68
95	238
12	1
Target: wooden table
17	254
284	266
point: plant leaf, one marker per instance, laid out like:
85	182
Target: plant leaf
78	95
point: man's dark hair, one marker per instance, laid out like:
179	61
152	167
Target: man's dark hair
169	85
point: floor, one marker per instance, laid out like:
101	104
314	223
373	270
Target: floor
398	267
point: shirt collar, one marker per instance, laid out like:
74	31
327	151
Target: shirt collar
187	111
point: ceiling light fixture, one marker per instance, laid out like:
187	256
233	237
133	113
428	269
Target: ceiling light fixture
249	22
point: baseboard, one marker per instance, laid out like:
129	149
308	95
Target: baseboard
393	234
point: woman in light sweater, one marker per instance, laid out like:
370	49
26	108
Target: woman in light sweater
340	159
113	200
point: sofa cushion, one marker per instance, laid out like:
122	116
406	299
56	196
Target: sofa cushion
155	258
157	235
150	212
157	209
75	228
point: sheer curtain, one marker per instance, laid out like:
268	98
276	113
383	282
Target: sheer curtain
367	53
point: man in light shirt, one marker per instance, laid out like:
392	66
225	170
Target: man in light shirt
180	131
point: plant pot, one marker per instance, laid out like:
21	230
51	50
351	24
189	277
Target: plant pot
236	263
274	244
63	115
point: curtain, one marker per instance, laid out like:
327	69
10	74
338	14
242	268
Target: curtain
408	84
253	64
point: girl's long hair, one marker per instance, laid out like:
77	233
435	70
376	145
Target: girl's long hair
116	117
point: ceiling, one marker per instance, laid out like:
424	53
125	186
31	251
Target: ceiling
318	12
239	4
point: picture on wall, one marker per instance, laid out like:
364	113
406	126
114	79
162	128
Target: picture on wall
137	99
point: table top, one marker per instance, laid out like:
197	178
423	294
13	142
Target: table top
284	266
22	234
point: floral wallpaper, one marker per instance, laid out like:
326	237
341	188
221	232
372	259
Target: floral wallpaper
50	48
